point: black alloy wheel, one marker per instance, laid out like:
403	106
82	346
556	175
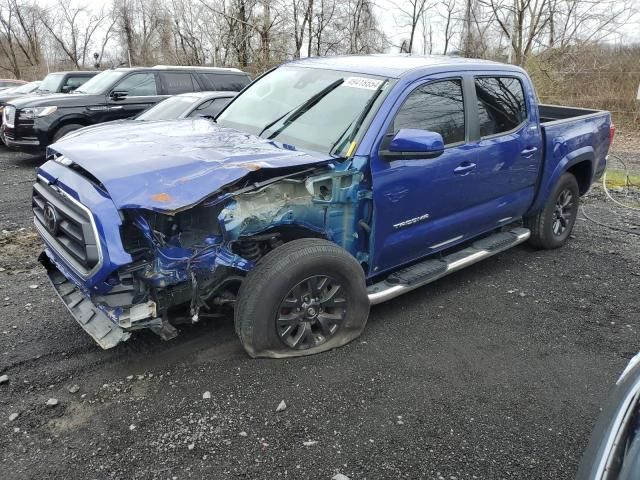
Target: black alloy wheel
312	312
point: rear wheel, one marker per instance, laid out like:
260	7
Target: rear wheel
305	297
552	226
62	131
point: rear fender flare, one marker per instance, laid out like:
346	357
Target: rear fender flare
548	182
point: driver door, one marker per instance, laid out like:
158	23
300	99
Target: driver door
142	91
423	206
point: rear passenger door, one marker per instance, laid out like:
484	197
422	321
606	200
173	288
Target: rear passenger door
509	141
142	91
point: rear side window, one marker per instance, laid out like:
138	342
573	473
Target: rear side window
225	81
436	107
176	83
138	85
501	104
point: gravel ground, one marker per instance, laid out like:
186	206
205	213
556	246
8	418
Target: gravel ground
494	372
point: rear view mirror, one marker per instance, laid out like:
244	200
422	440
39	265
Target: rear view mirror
411	143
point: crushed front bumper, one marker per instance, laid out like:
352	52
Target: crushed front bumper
95	320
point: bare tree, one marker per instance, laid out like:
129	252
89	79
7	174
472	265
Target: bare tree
521	21
449	13
20	39
72	28
410	12
301	10
324	18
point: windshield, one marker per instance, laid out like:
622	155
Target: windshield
309	108
51	83
168	109
28	88
99	84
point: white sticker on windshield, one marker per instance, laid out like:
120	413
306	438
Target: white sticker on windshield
361	82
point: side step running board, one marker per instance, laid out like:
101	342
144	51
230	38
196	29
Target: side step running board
410	278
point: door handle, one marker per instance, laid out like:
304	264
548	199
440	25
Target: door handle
119	107
528	152
464	168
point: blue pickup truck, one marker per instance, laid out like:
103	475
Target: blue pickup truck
328	185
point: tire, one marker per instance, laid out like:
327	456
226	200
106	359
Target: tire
552	226
272	308
62	131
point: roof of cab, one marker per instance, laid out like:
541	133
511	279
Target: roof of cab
76	72
199	68
396	66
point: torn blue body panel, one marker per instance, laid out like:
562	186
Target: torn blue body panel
185	244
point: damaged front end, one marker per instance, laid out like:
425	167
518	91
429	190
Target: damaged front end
188	264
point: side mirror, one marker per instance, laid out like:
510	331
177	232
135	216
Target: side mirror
412	143
119	94
66	89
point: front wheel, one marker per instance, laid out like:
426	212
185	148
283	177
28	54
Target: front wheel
305	297
552	226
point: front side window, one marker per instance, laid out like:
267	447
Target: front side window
308	108
501	104
436	107
99	84
138	85
177	83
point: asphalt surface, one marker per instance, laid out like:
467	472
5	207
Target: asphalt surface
494	372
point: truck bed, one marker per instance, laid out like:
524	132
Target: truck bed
570	134
559	113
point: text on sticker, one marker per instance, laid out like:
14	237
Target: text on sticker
361	82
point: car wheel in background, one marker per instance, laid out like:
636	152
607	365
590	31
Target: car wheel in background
62	131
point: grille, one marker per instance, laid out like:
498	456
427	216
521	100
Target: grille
67	227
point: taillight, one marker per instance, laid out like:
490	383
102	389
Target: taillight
612	132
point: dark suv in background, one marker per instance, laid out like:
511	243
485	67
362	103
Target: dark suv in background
64	82
31	124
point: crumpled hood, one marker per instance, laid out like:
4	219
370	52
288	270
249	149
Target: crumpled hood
170	165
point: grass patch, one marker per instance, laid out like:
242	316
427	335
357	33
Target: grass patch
620	178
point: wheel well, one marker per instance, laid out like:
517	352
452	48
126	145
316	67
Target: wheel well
253	247
71	121
582	172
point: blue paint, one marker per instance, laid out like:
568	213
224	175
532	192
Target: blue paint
169	167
